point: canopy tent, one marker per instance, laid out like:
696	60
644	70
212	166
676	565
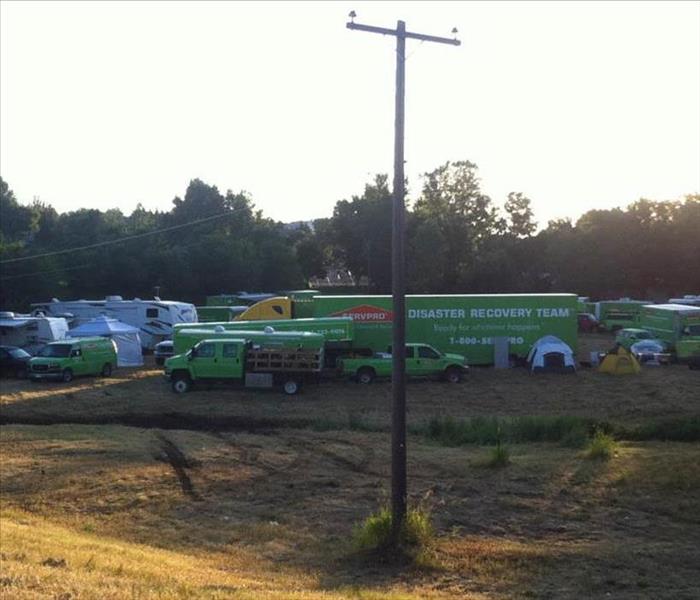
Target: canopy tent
619	362
549	354
125	336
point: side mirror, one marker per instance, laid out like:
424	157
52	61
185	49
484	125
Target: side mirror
190	356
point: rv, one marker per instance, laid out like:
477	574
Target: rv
30	333
154	318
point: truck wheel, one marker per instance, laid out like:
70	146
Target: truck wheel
365	375
21	373
291	387
453	375
107	370
67	376
181	384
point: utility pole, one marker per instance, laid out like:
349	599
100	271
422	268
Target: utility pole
398	286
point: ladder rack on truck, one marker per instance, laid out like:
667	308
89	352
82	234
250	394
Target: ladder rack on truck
277	359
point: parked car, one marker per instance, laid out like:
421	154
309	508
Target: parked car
14	362
629	336
654	352
163	351
69	358
587	323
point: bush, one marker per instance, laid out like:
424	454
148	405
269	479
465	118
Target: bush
602	446
374	535
500	457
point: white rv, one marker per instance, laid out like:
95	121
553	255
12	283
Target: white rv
30	333
154	318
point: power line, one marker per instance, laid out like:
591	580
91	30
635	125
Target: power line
44	272
118	241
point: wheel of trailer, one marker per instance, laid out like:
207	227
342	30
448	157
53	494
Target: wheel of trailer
181	384
453	375
291	386
107	370
67	376
365	375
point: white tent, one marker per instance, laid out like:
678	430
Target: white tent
126	337
550	354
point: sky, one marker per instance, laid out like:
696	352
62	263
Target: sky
577	105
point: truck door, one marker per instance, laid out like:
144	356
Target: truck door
232	355
427	360
412	367
205	363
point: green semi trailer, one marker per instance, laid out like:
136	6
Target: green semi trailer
460	324
677	325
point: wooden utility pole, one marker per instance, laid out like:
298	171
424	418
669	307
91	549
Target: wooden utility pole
398	286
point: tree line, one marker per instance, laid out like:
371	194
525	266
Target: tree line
457	241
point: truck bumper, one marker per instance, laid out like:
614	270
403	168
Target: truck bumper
45	376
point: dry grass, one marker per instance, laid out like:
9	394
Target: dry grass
271	516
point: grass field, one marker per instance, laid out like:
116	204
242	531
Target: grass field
116	488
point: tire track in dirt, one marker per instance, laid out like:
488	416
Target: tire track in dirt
179	462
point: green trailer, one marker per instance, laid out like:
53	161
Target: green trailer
218	314
184	339
460	324
333	329
338	332
619	314
676	324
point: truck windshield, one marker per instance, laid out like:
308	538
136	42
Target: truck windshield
18	353
55	351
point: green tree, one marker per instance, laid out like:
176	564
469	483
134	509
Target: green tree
521	221
453	208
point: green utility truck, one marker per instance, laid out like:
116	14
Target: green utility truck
70	358
677	325
242	361
186	338
461	324
421	361
619	314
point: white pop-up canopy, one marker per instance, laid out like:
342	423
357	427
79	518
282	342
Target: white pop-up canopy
126	337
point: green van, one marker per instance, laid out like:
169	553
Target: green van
67	359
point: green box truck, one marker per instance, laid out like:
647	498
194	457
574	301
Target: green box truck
677	325
461	324
242	361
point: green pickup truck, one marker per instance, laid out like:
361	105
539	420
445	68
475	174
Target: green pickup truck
421	361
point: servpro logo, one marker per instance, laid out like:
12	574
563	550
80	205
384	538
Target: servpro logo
366	313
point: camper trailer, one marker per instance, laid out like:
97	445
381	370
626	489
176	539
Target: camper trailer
30	333
154	318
